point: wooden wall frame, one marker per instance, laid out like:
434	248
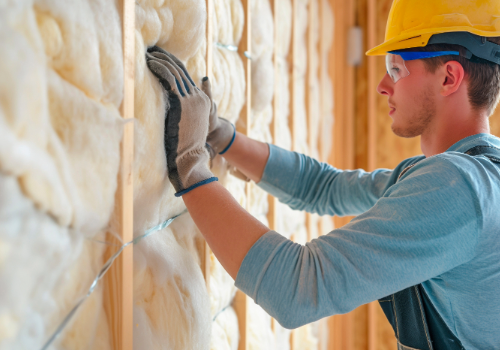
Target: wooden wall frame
342	157
205	249
241	300
118	295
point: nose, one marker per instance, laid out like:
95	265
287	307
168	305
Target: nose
386	86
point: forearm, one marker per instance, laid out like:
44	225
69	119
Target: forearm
228	229
303	183
249	156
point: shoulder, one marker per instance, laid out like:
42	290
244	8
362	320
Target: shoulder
453	164
451	174
457	176
476	171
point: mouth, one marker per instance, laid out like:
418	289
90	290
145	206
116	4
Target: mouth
392	110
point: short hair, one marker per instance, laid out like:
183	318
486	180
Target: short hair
483	76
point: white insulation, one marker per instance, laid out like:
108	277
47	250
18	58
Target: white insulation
61	88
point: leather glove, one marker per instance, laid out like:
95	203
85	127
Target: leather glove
186	123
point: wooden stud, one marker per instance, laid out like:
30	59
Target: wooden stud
342	76
292	72
292	86
323	78
294	47
118	292
372	142
372	326
311	51
272	201
312	76
240	306
372	83
241	300
271	214
323	335
205	249
342	156
244	49
205	261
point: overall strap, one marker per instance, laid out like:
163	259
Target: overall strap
490	152
406	314
416	322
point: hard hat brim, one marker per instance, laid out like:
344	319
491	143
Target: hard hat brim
421	38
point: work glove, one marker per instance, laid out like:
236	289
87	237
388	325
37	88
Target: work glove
186	122
221	134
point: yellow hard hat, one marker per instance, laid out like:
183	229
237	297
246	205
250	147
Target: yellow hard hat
412	23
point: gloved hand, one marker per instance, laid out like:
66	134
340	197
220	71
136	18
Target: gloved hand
186	122
221	132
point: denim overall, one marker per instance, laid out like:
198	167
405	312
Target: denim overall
415	320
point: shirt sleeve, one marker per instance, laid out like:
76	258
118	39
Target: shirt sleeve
303	183
425	225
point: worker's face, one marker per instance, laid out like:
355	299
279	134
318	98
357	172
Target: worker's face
411	100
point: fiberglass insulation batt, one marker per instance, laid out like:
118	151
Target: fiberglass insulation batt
61	87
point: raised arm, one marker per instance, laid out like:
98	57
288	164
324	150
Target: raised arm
306	184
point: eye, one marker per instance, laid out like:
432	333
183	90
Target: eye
396	69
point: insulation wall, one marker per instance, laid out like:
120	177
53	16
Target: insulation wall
61	90
60	132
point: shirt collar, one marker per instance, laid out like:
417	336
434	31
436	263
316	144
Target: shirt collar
475	140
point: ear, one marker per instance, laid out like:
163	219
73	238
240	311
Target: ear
454	75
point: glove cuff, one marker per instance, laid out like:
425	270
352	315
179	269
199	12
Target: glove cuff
201	183
230	142
222	138
191	171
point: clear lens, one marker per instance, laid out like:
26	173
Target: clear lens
396	67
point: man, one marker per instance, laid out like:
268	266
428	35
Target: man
426	241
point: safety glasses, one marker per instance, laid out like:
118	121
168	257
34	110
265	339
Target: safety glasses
395	61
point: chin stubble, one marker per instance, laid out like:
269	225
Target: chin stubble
420	119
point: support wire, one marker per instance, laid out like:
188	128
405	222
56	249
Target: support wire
101	273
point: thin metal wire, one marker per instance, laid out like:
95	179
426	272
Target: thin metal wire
234	49
227	47
101	273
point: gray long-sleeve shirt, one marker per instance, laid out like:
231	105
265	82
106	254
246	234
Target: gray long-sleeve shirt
439	225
